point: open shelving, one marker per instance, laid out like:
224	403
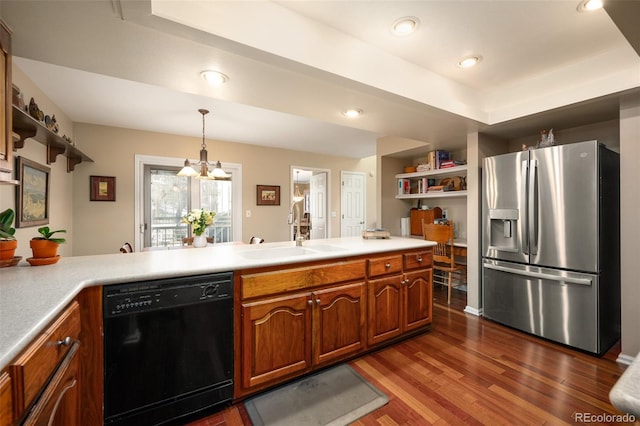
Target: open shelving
438	174
27	127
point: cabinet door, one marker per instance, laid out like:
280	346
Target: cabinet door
385	309
6	90
59	404
417	299
276	338
6	400
339	322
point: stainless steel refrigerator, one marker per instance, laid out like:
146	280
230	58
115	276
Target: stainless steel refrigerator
551	243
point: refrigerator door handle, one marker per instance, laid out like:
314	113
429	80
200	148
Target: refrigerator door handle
524	224
532	204
541	275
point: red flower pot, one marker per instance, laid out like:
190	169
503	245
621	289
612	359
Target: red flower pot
44	248
8	249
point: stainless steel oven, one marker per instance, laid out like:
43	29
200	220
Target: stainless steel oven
168	349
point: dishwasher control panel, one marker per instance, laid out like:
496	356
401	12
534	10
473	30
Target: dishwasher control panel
122	299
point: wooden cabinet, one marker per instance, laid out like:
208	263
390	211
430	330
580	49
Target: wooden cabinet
291	320
292	333
46	375
6	400
6	139
401	302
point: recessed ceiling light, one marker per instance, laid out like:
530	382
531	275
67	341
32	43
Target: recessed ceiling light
589	5
469	61
214	77
352	112
405	26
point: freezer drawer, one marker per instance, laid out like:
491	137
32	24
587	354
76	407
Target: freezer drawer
557	305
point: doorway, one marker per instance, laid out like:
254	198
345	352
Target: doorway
313	184
352	203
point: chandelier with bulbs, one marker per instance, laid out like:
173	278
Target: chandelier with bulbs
216	172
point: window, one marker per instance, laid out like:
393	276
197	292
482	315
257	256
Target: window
163	198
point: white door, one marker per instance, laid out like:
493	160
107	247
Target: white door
318	205
352	204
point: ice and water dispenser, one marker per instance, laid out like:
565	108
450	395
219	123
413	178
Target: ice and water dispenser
503	229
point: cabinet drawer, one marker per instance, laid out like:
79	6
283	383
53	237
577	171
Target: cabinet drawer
34	367
418	259
270	283
384	265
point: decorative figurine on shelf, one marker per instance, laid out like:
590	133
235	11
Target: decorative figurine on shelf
546	139
34	111
68	139
51	123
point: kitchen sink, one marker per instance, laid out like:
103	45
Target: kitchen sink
276	252
325	247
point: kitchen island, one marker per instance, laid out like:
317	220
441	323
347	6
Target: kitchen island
32	297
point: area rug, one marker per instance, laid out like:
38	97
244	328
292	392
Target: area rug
337	396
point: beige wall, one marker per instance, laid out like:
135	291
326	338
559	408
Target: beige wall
61	182
629	225
109	224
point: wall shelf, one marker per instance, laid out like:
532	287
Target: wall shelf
438	174
26	127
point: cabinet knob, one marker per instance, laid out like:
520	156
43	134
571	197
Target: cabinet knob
419	259
317	301
310	302
64	342
387	265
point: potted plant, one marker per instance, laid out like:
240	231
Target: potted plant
46	246
8	242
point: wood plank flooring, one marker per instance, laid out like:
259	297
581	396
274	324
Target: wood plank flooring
468	370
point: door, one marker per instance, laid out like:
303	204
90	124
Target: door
352	204
276	336
417	299
385	308
557	305
339	322
318	206
504	207
564	199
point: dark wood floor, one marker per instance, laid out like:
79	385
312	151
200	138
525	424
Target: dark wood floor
468	370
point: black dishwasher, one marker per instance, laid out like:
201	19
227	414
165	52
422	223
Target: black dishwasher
168	348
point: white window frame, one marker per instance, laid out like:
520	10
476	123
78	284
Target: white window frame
144	160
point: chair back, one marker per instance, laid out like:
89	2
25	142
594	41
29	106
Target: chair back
126	248
256	240
442	235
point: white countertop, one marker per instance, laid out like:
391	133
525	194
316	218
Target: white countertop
625	394
31	296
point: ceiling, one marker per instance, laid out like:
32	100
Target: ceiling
294	66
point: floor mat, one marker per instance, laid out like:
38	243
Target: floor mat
337	396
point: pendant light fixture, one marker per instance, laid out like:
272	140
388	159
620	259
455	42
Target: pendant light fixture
217	173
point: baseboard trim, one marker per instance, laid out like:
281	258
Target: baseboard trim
624	359
473	311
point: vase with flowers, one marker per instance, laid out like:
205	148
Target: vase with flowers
199	220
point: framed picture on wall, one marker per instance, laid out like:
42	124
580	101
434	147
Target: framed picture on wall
103	188
268	195
32	194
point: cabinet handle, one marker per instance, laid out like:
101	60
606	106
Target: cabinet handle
65	342
317	301
310	302
419	259
387	265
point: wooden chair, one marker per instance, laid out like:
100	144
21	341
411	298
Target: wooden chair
188	241
126	248
256	240
443	256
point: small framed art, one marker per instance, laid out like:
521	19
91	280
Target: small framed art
32	195
268	195
103	188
